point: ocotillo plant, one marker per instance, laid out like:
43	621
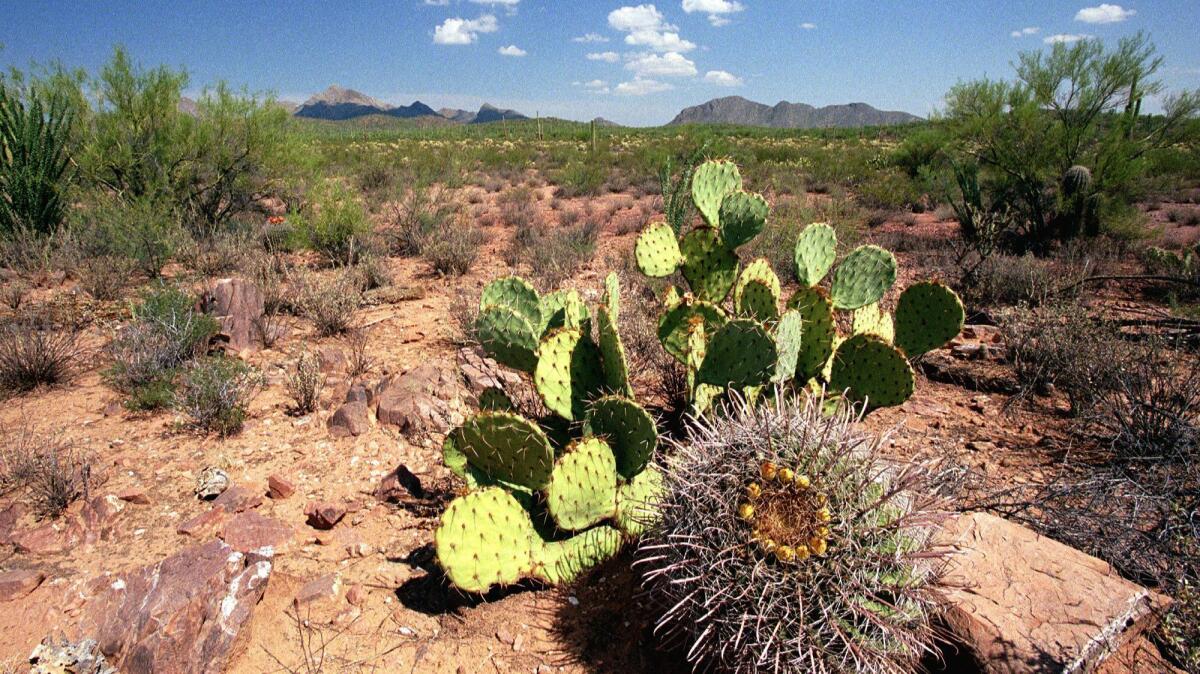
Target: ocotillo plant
732	331
549	498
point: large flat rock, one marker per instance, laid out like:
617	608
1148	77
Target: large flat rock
1023	603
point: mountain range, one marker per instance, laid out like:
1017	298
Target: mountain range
338	104
785	115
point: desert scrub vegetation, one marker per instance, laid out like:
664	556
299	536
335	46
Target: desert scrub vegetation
304	384
214	393
52	472
329	301
37	348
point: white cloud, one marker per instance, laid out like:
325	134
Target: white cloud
1029	30
437	3
590	38
512	50
1104	13
1064	38
464	31
504	3
722	78
715	9
670	64
647	27
594	86
808	25
606	56
642	87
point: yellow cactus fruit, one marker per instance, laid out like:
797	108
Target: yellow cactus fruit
746	511
753	491
823	515
768	470
817	545
785	553
802	552
785	475
802	481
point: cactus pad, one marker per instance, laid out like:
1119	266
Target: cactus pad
927	316
758	270
863	277
870	319
817	335
515	293
759	301
629	430
709	266
673	325
657	251
612	295
559	562
508	337
562	309
871	370
494	399
711	181
672	297
740	354
583	486
638	501
486	538
789	332
816	248
507	447
743	215
612	352
568	373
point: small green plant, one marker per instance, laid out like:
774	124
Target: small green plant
304	384
213	394
335	225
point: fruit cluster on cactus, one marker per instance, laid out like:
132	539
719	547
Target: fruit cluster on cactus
553	497
732	329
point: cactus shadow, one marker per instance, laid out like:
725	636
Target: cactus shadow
433	594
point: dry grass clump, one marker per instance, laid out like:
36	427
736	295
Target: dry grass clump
304	384
37	350
214	393
330	303
54	473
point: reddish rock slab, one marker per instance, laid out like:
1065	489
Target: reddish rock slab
237	305
279	487
400	486
317	589
181	615
17	584
250	531
1021	603
238	499
351	419
415	402
8	521
322	515
50	538
204	524
134	495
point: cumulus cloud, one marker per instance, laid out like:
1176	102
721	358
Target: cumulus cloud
512	50
722	78
808	25
1104	13
594	86
1029	30
715	9
464	31
1064	38
671	64
606	56
647	27
590	38
642	87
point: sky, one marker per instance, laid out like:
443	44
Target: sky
632	63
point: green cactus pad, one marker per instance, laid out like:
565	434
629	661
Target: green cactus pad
506	336
672	297
863	277
454	459
496	400
740	354
759	269
816	343
711	181
638	502
583	486
743	215
709	266
629	430
612	352
569	372
563	309
759	301
657	251
789	334
827	368
507	447
612	295
515	293
871	320
927	316
484	539
871	370
560	562
674	324
816	249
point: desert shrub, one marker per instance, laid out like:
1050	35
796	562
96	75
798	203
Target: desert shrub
104	277
35	255
1181	625
213	394
304	384
218	253
518	210
1009	280
558	254
330	303
453	248
359	361
372	272
1153	408
36	350
52	470
421	212
751	499
335	224
144	230
35	162
580	177
14	293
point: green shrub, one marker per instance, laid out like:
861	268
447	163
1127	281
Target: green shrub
35	131
142	229
335	225
213	393
452	248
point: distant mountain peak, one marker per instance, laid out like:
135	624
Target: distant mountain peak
338	103
785	115
337	95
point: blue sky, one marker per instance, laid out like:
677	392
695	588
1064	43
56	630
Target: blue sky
629	62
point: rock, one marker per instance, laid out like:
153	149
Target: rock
279	487
250	531
50	538
322	515
351	419
358	393
505	636
356	595
1022	603
317	589
331	359
400	485
17	584
211	483
415	402
64	657
480	372
205	523
237	305
981	446
238	499
181	615
98	517
8	521
134	495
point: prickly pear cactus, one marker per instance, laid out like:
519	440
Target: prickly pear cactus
928	315
711	183
871	371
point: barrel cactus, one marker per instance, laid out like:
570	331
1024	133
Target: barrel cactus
549	499
735	314
783	545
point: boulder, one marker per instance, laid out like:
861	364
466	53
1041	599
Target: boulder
415	402
237	305
480	373
322	515
351	419
8	521
279	487
1021	603
65	657
17	584
181	615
